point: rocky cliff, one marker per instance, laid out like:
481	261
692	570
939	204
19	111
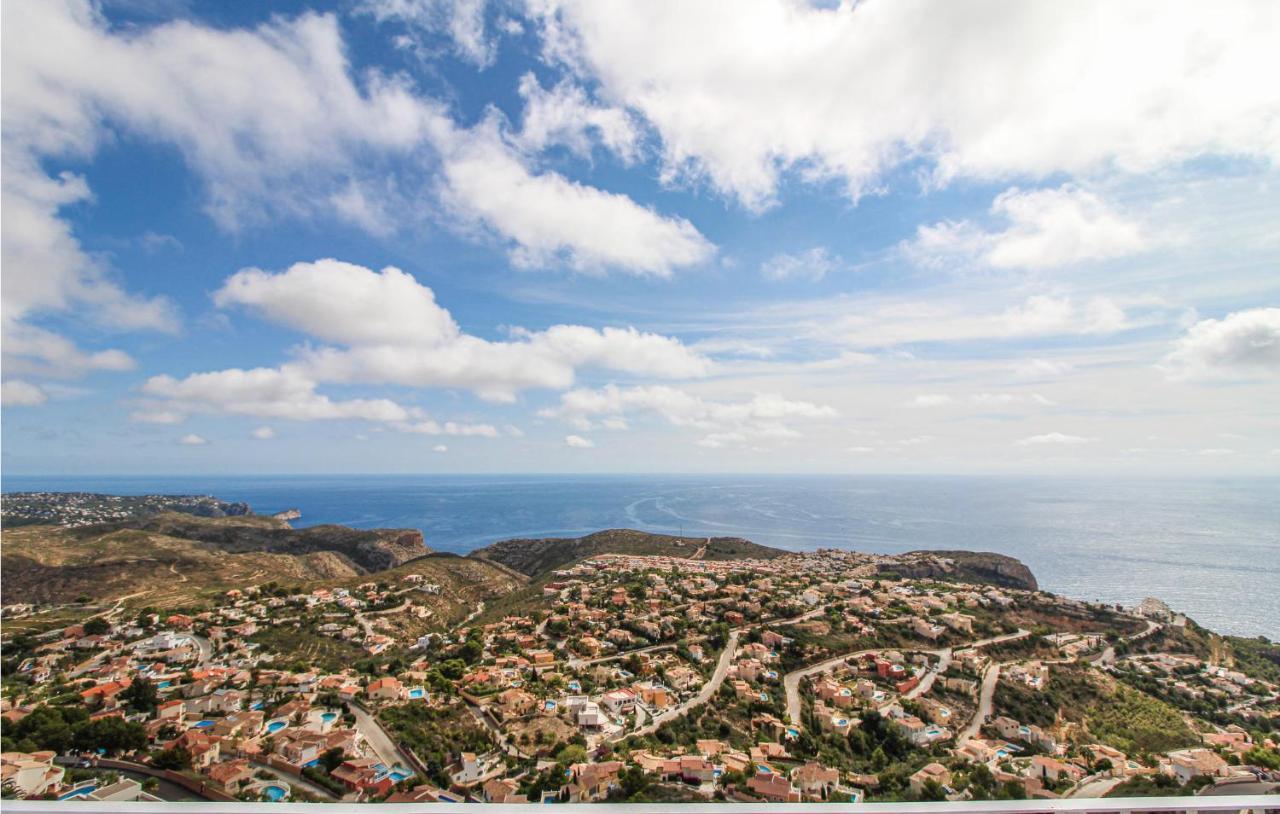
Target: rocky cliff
981	567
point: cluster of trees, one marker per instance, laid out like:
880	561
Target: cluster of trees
436	734
63	729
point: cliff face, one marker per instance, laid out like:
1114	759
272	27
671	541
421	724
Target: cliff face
980	567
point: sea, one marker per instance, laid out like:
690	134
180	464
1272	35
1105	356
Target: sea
1210	548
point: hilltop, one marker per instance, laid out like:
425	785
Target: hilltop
536	557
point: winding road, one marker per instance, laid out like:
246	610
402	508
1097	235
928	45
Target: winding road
704	695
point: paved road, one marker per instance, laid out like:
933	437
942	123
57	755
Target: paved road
1095	787
989	680
704	695
791	682
205	646
376	736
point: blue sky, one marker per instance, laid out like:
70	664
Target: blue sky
427	236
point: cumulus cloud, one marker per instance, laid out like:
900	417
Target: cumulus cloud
265	392
578	442
1047	228
564	114
275	123
851	91
763	416
1241	344
811	265
440	448
263	434
395	332
1054	438
192	440
461	22
431	427
17	393
550	221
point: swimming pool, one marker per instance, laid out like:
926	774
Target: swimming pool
205	724
275	793
763	769
417	692
275	726
550	705
328	716
397	775
163	684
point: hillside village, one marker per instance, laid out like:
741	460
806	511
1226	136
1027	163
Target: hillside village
822	676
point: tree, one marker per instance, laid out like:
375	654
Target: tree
141	695
176	759
97	626
932	791
332	758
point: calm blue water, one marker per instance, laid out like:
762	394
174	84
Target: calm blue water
1209	547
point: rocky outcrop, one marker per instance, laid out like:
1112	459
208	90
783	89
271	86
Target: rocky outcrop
979	567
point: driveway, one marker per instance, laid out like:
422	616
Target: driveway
704	695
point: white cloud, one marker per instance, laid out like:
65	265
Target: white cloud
461	21
431	427
1054	438
1038	369
263	434
554	222
851	91
763	416
192	440
1008	399
578	442
17	393
440	448
1241	344
28	349
398	334
930	400
1048	228
266	392
1040	315
813	265
565	115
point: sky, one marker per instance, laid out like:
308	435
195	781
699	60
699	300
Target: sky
404	236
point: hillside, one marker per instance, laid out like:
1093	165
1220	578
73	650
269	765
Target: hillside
534	557
90	508
174	558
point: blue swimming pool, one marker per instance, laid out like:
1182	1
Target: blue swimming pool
328	716
762	769
416	692
275	726
275	793
162	684
205	724
397	775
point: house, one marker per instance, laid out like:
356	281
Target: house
514	703
363	776
592	781
1187	764
814	780
774	788
501	791
693	769
384	689
232	775
933	771
619	702
1047	768
122	791
30	774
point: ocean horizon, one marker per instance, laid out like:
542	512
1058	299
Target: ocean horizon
1210	547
